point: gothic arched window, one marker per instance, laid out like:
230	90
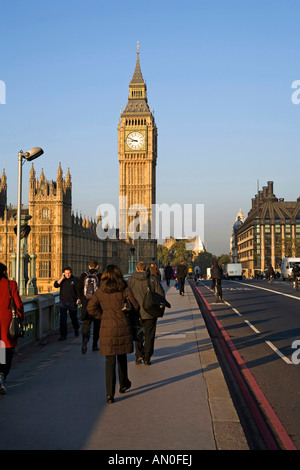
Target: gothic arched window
45	213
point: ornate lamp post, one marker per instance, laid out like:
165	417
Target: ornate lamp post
29	156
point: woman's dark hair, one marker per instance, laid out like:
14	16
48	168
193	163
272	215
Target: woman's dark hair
3	271
114	279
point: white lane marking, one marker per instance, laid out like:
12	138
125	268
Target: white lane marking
279	352
237	312
252	326
270	290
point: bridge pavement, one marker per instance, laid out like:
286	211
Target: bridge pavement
56	396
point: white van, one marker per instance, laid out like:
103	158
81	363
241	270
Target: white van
287	266
233	271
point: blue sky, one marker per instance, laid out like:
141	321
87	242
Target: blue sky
219	77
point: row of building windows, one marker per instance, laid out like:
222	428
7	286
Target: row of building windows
45	213
45	269
278	229
136	122
246	254
245	245
137	94
44	244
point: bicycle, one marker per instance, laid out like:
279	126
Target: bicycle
218	290
295	282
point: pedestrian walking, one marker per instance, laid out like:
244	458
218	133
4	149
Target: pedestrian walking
115	332
68	302
88	283
181	275
168	273
138	282
154	271
8	294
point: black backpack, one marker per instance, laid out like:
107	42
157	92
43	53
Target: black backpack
154	303
90	285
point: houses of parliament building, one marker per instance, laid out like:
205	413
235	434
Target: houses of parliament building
54	237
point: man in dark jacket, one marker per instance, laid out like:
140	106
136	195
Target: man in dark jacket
138	284
89	278
168	273
181	275
68	302
216	273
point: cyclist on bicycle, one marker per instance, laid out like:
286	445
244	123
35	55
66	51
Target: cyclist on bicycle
216	273
270	274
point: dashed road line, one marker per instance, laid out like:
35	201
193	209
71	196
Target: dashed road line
252	326
286	359
271	345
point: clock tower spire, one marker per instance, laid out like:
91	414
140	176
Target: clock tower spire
137	88
137	149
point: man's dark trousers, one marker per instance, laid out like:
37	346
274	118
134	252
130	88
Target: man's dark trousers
181	282
146	349
64	308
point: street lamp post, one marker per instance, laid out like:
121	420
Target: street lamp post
131	260
29	156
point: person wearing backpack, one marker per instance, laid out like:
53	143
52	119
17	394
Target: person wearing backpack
138	283
88	284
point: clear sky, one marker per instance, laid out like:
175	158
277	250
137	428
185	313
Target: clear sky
219	76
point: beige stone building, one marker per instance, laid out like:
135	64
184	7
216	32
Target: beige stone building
58	237
270	232
194	244
137	148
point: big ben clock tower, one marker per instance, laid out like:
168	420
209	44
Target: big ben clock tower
137	149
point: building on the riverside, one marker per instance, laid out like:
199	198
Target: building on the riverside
270	232
56	237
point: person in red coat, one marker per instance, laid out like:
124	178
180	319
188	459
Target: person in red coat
7	345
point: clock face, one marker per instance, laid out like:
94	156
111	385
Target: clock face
135	140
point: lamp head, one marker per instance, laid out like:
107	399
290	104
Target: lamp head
33	153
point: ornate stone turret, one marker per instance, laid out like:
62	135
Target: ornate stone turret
3	193
239	220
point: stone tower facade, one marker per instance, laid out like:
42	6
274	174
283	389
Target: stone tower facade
137	150
50	206
58	237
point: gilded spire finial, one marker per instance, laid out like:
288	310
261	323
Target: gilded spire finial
138	47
